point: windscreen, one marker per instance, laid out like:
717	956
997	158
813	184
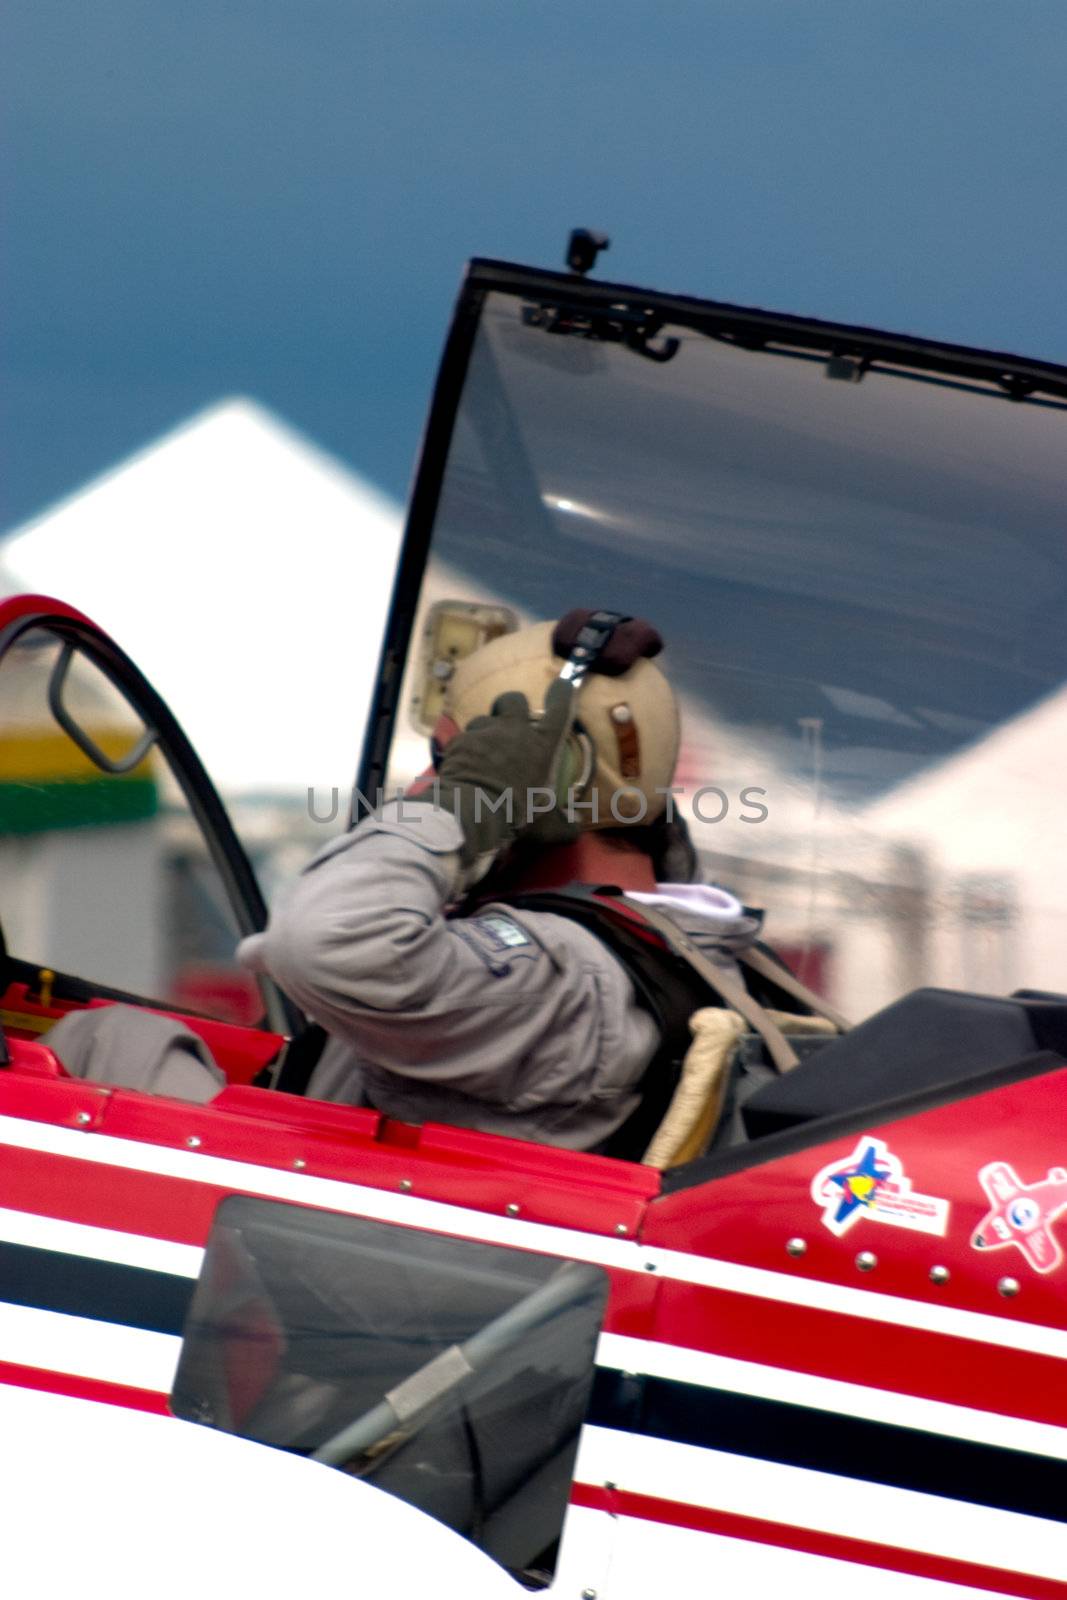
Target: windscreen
452	1373
859	576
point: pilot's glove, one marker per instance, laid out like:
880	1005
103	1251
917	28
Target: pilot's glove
498	777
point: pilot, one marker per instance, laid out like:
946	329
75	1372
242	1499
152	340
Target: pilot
416	940
461	948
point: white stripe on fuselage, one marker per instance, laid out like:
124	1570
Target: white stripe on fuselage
682	1365
110	1352
688	1474
852	1508
100	1244
653	1558
440	1216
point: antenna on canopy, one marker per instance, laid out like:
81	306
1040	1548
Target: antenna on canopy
583	247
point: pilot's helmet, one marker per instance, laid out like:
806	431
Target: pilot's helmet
623	751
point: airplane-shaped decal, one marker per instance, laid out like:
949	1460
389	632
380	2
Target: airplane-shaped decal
1022	1214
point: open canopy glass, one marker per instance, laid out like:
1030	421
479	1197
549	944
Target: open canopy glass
854	548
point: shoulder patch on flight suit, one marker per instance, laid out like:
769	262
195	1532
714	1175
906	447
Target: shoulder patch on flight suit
506	934
497	939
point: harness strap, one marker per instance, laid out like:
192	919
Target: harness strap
729	988
760	962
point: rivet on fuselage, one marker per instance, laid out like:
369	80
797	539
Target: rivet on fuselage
299	1163
939	1275
405	1184
1008	1287
193	1141
620	1227
866	1261
796	1247
83	1117
512	1208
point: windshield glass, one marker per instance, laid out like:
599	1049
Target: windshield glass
860	585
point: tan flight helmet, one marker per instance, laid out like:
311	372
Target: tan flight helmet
621	756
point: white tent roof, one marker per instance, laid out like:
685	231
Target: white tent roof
248	573
998	803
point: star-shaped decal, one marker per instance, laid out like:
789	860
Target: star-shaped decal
859	1183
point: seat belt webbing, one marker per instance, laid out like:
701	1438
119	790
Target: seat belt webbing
782	978
729	988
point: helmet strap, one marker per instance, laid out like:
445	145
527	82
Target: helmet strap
594	636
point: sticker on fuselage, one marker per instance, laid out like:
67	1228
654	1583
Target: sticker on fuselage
870	1184
1022	1214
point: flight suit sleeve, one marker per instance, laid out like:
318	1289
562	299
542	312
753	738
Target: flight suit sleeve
517	1010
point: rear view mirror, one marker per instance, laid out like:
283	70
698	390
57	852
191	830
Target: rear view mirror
116	762
453	630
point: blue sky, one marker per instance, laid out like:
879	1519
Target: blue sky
276	197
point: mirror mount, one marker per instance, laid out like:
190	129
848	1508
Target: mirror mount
86	744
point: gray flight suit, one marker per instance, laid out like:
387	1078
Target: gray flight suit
508	1021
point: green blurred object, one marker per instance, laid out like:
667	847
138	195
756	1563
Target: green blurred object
75	803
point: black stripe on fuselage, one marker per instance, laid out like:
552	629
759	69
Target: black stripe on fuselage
81	1286
825	1441
663	1408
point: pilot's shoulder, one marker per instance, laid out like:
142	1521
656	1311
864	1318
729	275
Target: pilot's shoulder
503	934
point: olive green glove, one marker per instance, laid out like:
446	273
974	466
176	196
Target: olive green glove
498	776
